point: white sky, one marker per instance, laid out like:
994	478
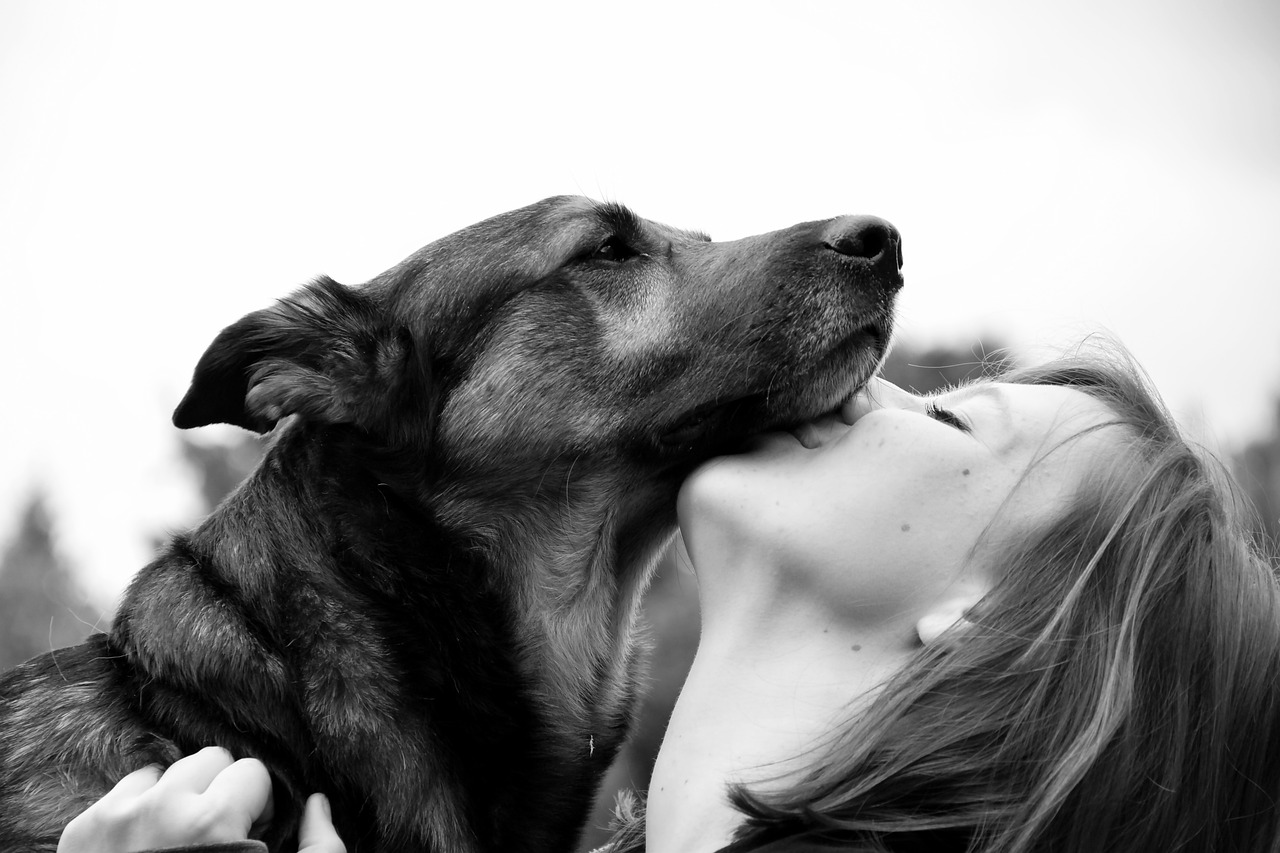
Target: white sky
1055	168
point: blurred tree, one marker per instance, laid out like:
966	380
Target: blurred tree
671	605
925	369
41	605
1257	468
220	466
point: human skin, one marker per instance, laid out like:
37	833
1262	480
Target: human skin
207	797
825	554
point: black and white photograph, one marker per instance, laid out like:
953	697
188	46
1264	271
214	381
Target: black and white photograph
745	427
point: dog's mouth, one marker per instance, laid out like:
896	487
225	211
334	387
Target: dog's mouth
723	426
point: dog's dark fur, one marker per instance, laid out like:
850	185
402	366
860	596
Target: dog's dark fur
423	602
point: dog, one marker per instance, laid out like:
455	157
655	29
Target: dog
423	602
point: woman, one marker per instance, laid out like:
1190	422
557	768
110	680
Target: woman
1023	615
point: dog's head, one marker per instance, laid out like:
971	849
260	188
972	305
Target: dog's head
569	330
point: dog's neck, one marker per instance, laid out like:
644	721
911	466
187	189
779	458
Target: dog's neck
372	630
576	548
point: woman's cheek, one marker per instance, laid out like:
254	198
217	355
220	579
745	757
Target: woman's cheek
921	516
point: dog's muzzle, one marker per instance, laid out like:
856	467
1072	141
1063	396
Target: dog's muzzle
869	240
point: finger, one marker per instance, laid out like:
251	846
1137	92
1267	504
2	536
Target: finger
95	830
139	781
317	835
243	789
194	772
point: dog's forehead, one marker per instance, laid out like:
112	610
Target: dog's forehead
553	229
543	232
550	228
568	221
508	251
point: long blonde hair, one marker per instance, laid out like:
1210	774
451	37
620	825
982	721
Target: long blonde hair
1119	689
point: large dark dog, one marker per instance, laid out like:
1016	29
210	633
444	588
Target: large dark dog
423	602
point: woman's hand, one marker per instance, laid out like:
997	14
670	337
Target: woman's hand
205	798
317	835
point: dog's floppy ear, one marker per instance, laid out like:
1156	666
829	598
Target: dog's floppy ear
326	353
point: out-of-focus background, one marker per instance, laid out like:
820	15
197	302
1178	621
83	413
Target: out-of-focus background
1055	168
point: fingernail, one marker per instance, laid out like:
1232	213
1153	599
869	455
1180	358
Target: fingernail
324	805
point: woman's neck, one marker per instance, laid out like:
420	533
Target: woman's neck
777	671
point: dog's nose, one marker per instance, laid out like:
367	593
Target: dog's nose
869	238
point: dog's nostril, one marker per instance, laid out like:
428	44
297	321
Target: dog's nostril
863	237
860	244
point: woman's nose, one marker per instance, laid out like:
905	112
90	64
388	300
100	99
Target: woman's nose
878	394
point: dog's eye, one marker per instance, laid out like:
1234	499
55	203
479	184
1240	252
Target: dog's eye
613	249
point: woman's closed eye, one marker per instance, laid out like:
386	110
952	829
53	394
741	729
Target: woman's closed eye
947	417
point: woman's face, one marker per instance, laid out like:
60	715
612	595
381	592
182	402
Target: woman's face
878	509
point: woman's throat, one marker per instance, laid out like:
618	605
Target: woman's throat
760	703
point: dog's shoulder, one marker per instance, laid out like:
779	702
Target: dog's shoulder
68	732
